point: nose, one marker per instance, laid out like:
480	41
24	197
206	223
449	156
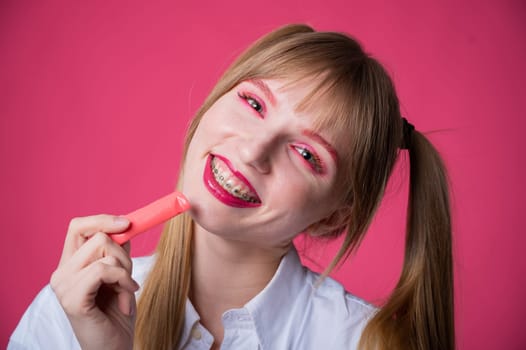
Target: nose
256	152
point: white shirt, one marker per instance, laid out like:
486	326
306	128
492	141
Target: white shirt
291	312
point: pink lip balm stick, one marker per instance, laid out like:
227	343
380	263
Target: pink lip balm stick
153	214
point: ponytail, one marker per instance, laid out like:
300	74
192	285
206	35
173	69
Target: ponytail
162	304
419	312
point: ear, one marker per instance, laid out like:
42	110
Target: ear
333	225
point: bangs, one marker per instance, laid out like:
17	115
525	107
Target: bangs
330	101
333	67
328	65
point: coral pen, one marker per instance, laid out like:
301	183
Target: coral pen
153	214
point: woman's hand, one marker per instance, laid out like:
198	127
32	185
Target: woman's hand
93	283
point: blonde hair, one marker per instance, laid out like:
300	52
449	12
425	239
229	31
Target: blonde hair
359	97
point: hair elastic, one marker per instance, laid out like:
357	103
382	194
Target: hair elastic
407	130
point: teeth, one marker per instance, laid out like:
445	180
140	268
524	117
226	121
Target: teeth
236	190
229	183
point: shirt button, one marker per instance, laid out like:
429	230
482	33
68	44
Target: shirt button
196	334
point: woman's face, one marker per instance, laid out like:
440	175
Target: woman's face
255	170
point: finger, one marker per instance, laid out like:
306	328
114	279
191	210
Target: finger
113	298
81	229
99	223
127	247
109	275
126	300
64	279
66	276
99	246
80	298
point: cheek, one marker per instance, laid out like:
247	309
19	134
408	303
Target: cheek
209	129
306	203
229	117
193	167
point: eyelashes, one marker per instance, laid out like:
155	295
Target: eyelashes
308	156
253	102
311	158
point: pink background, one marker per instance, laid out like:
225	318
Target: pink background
95	96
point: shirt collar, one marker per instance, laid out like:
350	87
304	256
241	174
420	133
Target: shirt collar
190	320
270	309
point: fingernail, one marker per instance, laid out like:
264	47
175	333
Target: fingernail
121	221
137	286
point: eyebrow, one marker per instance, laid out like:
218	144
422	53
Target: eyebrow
317	137
265	89
309	133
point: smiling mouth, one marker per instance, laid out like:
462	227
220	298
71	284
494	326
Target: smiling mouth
228	185
231	183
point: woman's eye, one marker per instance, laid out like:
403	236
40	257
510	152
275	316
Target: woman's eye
311	158
252	102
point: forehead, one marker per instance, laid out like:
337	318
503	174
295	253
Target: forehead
315	99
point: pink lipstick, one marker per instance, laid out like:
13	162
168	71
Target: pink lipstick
228	185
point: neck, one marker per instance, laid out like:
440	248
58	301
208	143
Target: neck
226	275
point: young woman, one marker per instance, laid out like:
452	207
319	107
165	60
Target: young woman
299	135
